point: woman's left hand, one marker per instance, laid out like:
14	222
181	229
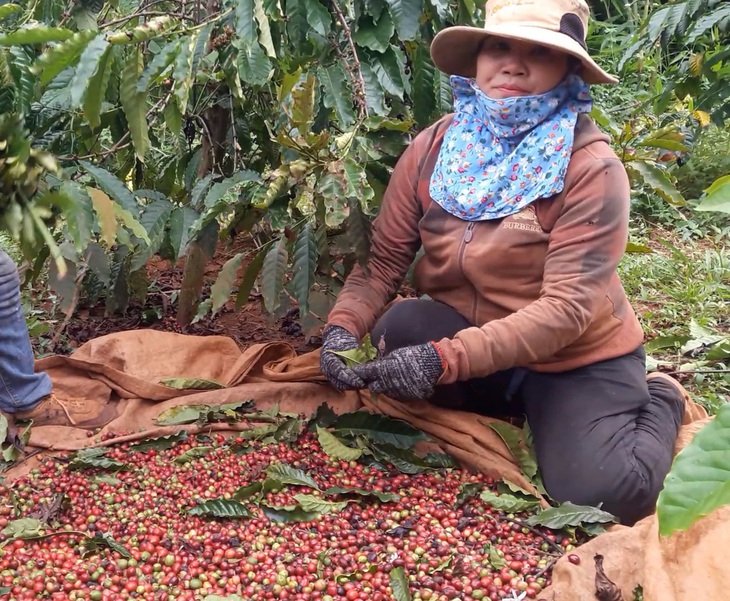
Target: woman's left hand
406	374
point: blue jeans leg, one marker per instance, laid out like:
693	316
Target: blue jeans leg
21	388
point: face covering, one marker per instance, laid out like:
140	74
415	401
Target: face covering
499	155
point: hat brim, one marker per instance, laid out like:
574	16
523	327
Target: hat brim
454	50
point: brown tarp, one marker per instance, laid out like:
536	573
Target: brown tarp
124	371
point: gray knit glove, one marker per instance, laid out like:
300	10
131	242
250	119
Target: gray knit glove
406	374
335	338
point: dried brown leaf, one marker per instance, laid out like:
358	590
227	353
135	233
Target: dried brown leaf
606	590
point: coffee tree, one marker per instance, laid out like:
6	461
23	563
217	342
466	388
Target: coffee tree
177	123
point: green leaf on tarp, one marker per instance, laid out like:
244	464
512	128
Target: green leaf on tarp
257	433
24	528
5	590
192	384
379	429
315	504
288	430
90	452
104	479
568	514
286	515
335	448
248	492
324	417
182	414
193	453
272	414
104	540
355	576
440	461
290	475
159	443
446	563
399	584
203	414
99	462
508	503
467	491
593	529
510	487
384	497
699	480
404	460
241	449
495	559
514	439
221	508
233	410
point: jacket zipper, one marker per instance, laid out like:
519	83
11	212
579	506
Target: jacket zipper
468	235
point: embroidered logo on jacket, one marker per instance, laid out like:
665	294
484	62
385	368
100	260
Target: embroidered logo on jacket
526	219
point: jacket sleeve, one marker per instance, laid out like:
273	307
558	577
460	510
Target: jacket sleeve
585	247
395	242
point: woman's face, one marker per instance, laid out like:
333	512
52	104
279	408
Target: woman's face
513	68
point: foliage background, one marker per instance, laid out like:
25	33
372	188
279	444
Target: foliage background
174	126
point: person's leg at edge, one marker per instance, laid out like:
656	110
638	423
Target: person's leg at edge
27	395
603	434
417	321
21	388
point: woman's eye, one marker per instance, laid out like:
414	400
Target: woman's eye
541	51
498	47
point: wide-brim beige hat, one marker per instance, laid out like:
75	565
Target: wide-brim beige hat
558	24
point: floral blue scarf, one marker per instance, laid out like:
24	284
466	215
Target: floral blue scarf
498	156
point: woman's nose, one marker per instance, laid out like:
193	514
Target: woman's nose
514	64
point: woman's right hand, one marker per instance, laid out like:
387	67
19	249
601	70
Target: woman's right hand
335	338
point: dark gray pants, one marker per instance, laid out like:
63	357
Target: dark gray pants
602	433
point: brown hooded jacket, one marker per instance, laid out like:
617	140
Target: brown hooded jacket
540	286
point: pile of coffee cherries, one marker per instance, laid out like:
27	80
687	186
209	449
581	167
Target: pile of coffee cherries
159	551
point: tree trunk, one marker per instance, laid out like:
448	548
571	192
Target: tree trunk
216	120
